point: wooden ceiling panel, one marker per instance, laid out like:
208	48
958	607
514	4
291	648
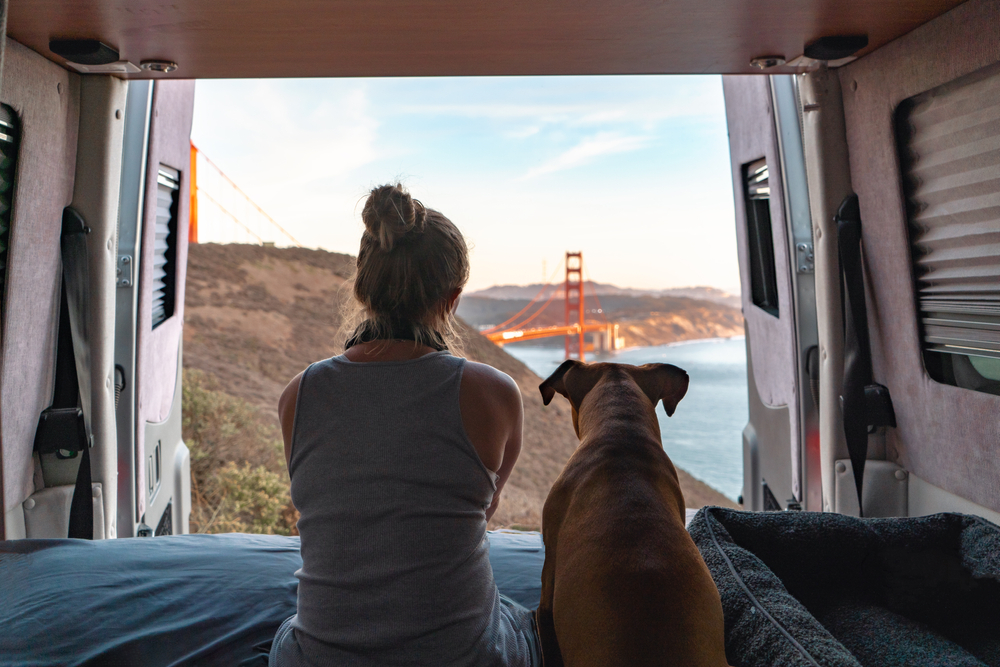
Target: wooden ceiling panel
306	38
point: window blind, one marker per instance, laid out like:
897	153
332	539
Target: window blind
9	140
164	244
949	143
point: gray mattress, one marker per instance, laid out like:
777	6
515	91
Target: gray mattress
190	599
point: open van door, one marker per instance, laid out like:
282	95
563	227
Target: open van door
774	236
154	482
94	199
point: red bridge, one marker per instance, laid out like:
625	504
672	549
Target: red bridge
576	327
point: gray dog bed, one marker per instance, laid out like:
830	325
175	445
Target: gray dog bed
814	589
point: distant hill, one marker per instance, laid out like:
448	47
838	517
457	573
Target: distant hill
514	292
255	316
644	319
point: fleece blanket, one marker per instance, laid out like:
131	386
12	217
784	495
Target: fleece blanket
177	600
816	589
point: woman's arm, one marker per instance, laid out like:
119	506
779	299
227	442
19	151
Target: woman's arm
511	451
286	413
493	414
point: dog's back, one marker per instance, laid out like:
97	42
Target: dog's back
623	583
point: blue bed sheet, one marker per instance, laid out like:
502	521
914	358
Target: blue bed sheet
187	599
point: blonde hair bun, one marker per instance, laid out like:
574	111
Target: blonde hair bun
411	261
392	216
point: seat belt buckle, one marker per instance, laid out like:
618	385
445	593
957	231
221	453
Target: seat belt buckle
878	407
61	431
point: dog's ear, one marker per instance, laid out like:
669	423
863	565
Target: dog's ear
662	382
556	382
573	379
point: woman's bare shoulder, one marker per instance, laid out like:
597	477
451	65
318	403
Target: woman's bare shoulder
491	412
488	379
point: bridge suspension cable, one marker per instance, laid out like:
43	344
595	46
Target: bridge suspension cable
230	216
520	325
535	298
593	287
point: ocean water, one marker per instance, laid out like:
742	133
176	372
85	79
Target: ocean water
704	437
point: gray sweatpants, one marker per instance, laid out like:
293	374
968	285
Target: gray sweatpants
286	651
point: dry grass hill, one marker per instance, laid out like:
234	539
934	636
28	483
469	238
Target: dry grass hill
256	316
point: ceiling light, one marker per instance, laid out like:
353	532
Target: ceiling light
767	62
162	66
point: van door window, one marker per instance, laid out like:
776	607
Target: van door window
757	193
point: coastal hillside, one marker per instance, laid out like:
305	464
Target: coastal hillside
255	317
604	289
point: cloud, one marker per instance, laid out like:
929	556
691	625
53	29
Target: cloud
307	151
597	113
577	101
271	135
523	132
588	150
295	148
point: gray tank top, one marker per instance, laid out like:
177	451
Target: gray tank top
393	499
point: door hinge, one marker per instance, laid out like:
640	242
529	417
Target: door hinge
804	257
124	271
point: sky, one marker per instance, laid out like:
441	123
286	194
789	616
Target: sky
631	170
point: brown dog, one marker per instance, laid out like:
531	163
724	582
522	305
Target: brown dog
623	583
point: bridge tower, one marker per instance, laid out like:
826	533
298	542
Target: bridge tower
573	296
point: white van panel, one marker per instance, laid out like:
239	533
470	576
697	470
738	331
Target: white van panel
95	197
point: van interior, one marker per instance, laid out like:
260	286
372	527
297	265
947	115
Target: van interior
865	155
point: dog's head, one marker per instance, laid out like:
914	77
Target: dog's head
574	380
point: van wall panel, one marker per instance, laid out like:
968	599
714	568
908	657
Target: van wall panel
946	435
46	99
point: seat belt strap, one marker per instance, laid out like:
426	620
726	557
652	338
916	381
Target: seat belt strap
76	286
62	427
864	404
62	430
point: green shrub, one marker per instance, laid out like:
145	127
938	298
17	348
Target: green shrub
239	482
246	499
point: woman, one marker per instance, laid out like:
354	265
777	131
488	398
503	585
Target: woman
397	452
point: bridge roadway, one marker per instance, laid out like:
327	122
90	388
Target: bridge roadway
518	335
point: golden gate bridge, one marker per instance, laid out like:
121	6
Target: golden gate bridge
576	326
222	213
